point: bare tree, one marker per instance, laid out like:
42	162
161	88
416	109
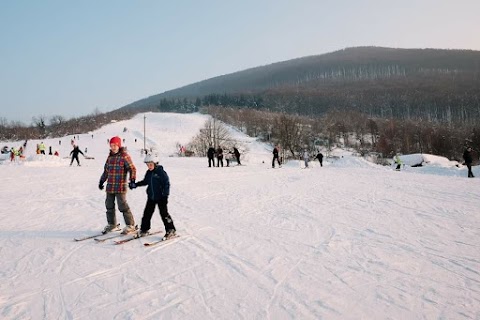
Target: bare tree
214	133
41	124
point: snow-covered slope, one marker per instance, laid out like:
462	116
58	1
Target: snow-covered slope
350	240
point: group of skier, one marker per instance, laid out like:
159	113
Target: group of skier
305	156
219	154
116	168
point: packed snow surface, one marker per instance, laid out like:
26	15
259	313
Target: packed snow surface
349	240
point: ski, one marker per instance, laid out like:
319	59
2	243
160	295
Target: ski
95	235
149	244
136	237
88	237
108	238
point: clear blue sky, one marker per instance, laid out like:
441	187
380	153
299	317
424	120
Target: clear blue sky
68	58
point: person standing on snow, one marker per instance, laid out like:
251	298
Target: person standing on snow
237	155
115	171
468	157
398	161
211	155
158	191
74	153
219	156
306	157
41	148
13	154
228	157
275	157
320	158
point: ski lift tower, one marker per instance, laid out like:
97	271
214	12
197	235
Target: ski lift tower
144	133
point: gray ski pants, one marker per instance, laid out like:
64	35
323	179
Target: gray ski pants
122	206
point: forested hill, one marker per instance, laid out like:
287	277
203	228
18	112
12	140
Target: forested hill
433	84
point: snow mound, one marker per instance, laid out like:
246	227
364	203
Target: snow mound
41	160
420	159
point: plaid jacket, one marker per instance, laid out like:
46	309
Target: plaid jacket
115	171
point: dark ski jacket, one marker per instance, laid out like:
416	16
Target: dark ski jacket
467	156
220	153
236	152
158	183
211	152
275	152
319	156
76	150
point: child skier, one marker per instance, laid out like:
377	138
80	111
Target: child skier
158	191
115	174
74	153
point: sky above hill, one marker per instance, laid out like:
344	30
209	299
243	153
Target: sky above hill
74	58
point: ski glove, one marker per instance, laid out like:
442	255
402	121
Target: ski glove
100	186
132	185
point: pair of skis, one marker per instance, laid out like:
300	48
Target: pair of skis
97	238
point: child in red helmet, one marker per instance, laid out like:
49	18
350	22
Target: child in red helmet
115	171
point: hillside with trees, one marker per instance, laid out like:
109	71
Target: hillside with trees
413	84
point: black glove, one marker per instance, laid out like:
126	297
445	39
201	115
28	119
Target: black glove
132	185
100	185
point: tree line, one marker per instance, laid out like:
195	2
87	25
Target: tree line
351	129
58	126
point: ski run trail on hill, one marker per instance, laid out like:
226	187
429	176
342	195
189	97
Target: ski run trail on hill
350	240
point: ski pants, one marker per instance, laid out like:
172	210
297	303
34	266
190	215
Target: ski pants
273	161
211	162
122	207
150	209
75	157
220	161
470	173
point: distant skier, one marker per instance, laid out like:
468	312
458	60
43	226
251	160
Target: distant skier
41	148
468	157
398	161
158	191
275	157
211	155
228	157
306	157
237	155
320	158
219	156
74	153
115	171
13	154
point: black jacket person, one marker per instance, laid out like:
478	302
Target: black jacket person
468	157
74	153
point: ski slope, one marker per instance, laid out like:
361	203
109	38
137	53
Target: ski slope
350	240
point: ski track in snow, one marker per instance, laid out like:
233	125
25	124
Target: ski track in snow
351	240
